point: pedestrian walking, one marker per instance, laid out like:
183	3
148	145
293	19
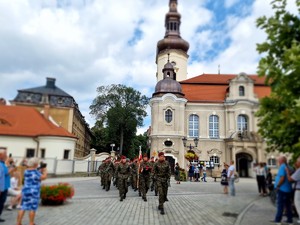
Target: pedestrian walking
230	175
203	173
123	172
284	193
191	172
261	179
162	173
31	190
197	173
295	177
177	173
224	179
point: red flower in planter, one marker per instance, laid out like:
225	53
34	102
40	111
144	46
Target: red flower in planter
56	194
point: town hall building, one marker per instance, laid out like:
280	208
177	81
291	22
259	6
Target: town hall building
213	115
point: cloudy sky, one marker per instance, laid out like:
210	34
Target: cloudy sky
88	43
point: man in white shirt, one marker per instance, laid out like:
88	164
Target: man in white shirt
230	175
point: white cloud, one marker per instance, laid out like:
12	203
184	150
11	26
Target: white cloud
230	3
85	43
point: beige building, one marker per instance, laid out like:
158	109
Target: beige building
61	108
210	114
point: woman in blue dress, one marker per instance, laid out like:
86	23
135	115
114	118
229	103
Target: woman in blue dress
31	190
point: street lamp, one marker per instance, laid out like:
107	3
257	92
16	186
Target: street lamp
112	146
196	141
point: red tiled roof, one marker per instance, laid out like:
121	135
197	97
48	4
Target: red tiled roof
27	121
213	87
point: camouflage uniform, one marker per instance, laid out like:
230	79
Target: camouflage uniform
152	178
115	176
162	173
108	173
145	172
100	171
123	171
134	175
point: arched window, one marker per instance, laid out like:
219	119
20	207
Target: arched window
215	159
214	126
242	123
194	126
241	91
168	116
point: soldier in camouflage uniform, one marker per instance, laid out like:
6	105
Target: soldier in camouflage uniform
108	173
123	171
134	174
100	171
145	172
152	179
162	173
115	176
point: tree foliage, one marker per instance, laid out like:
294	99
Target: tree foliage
123	109
279	114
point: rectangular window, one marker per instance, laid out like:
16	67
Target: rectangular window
30	152
66	154
43	153
193	125
214	126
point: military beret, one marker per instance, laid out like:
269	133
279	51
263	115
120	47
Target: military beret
160	154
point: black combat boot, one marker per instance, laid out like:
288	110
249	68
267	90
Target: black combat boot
145	199
124	196
162	211
159	207
121	199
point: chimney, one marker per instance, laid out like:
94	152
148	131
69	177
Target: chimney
46	111
50	82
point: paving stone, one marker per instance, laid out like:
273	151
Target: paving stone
190	203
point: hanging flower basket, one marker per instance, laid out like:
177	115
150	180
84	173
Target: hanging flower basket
56	194
191	155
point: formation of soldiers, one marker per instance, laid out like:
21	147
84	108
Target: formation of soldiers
141	175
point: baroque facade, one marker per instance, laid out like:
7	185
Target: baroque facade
59	107
214	114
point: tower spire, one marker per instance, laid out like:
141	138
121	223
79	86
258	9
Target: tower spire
172	46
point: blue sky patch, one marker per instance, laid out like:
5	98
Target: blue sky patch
218	27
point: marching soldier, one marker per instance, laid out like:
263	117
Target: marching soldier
162	173
151	161
145	172
134	174
100	171
123	171
108	173
115	176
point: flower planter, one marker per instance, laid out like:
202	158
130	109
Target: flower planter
56	194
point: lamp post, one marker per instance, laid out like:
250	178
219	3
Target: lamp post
190	147
112	146
196	141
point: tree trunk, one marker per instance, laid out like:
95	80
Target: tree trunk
121	141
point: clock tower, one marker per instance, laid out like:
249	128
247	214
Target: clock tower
173	45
